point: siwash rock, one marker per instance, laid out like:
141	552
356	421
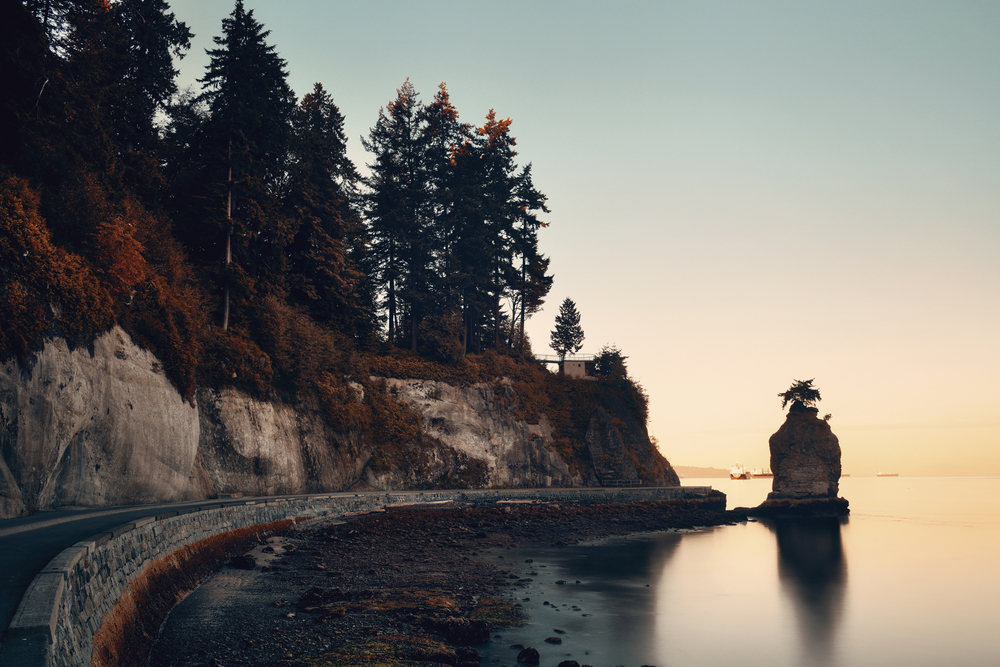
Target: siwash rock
805	460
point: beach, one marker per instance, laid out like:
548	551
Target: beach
418	584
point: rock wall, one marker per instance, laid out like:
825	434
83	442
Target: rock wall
263	448
471	439
102	425
618	446
94	426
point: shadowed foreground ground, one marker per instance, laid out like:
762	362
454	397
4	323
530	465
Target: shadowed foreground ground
411	586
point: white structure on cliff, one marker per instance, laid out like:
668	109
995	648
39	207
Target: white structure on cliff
581	366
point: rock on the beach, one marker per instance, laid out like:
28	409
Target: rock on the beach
569	663
316	597
468	655
462	631
553	640
244	562
528	656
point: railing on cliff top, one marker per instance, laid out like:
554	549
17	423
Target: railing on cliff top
555	359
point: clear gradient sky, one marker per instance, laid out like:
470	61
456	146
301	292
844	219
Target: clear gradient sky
742	194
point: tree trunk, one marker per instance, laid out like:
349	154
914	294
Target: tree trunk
229	240
520	341
413	328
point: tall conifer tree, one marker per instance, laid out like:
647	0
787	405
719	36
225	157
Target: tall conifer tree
397	206
249	134
323	180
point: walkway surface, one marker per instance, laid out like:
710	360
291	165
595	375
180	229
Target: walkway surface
29	543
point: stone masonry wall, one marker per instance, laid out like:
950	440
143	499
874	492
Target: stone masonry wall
69	601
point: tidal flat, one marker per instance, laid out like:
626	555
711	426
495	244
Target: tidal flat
408	586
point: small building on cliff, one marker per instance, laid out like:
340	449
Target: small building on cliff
581	367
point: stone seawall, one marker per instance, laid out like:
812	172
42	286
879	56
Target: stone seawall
82	596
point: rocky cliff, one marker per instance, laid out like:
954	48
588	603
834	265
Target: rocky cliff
102	425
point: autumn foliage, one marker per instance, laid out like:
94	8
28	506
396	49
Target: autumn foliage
44	287
122	202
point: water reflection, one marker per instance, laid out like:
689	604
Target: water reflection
622	574
608	617
813	571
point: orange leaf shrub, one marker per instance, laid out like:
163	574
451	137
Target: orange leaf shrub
232	358
35	273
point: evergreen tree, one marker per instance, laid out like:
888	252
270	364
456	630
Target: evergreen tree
531	284
467	240
568	335
397	207
802	393
152	38
322	178
245	143
609	364
443	137
500	209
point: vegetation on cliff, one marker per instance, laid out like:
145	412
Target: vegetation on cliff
228	232
802	393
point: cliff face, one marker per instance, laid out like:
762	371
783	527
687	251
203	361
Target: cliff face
620	450
261	448
471	439
93	426
103	426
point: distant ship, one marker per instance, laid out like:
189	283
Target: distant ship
757	472
886	474
739	472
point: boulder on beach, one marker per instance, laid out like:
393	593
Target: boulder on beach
528	656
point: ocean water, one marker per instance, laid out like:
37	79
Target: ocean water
911	578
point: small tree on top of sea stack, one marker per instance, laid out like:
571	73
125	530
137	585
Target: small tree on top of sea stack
802	394
568	335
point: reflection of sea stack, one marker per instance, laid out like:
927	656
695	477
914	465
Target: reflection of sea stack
805	459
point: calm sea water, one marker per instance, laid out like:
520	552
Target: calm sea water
911	578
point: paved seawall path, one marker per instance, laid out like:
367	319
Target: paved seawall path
64	570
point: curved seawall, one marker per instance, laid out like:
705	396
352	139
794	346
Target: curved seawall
105	592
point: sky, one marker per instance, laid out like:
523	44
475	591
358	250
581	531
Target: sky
742	194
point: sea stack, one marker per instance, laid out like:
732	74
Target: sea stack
805	460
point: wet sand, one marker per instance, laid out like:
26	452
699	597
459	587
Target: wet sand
412	585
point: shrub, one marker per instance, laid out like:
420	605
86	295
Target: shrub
232	358
36	274
301	350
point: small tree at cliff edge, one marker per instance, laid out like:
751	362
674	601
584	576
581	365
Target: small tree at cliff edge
568	335
801	391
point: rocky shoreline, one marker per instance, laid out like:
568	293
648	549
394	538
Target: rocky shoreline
414	585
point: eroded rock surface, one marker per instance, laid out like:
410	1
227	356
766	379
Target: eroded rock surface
261	448
103	425
99	425
616	448
474	440
805	456
805	460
